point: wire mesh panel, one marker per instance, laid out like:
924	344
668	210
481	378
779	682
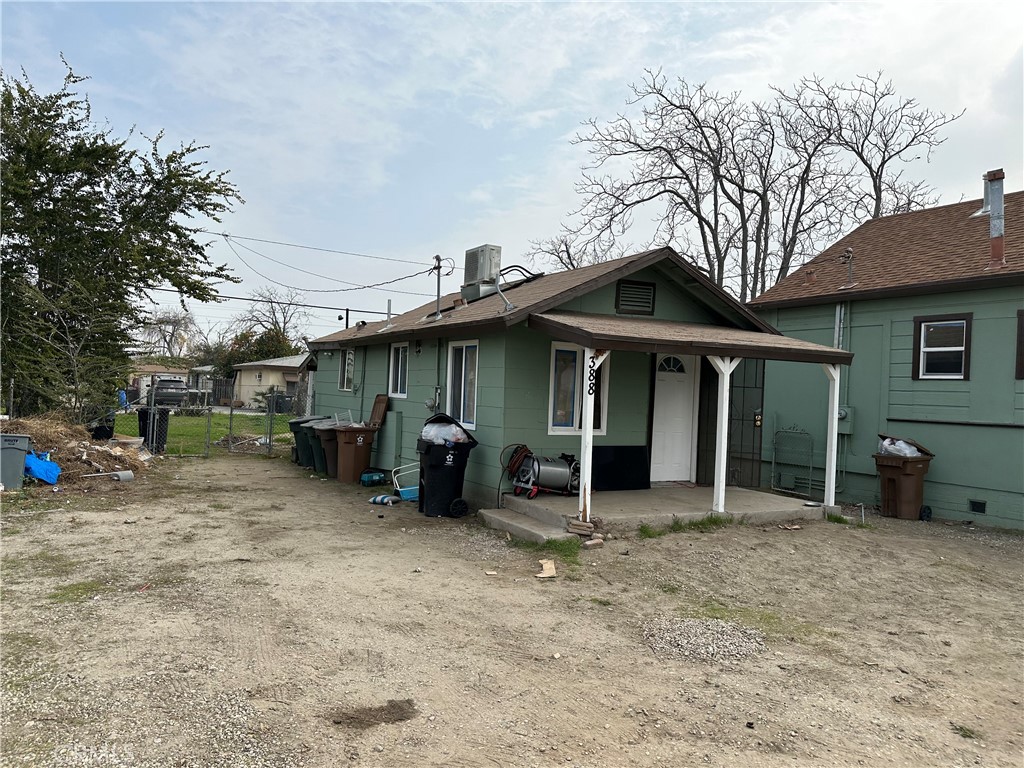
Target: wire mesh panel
300	405
258	421
189	430
792	457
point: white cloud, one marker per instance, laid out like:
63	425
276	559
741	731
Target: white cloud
409	128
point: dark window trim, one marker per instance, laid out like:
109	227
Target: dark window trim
1020	344
967	317
636	284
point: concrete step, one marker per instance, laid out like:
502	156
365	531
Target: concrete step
523	526
534	508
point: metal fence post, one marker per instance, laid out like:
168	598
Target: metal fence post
271	407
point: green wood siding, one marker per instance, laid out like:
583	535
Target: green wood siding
527	388
975	427
671	301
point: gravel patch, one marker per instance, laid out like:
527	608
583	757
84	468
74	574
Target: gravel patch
703	640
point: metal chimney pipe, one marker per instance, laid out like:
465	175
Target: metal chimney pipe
996	217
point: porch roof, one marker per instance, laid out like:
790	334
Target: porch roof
615	332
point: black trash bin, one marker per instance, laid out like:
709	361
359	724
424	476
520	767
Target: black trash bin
157	441
442	472
279	402
303	456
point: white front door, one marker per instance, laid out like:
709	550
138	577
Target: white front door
674	435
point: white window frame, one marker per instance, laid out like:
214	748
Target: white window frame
402	391
925	351
347	354
258	375
461	418
602	404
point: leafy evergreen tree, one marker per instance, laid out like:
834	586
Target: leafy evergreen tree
90	225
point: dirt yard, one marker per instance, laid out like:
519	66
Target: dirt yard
235	612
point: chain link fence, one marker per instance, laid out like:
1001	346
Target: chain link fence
184	431
258	420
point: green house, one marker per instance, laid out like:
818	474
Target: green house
932	304
624	365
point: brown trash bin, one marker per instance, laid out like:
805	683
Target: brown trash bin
354	446
355	443
902	481
326	431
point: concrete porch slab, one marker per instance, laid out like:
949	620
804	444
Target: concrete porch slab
662	503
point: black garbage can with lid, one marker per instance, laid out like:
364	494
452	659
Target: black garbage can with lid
902	480
443	470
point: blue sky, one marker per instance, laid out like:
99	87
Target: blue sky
404	130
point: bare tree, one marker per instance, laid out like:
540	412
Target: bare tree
745	191
566	251
273	310
878	129
170	332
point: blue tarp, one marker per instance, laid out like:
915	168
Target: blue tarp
41	468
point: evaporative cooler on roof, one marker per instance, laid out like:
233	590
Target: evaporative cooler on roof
483	265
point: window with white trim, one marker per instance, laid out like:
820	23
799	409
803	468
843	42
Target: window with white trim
259	376
462	370
942	347
566	387
398	373
347	370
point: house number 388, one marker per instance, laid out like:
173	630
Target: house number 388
592	376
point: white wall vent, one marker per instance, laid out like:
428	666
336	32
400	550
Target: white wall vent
481	275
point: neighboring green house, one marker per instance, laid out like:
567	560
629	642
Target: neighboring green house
932	304
613	363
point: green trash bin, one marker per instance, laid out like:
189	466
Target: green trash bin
325	432
12	460
303	454
316	451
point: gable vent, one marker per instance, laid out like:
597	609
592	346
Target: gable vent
633	298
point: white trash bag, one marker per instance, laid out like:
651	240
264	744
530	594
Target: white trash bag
892	447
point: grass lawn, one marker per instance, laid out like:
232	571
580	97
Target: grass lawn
186	435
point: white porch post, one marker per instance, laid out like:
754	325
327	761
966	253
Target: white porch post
592	360
832	435
725	366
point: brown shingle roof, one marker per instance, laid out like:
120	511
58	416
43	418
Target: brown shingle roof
529	297
930	251
647	335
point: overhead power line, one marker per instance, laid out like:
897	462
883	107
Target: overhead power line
312	247
355	287
289	303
